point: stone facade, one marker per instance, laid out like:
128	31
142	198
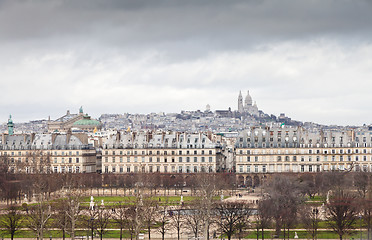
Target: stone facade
269	150
46	153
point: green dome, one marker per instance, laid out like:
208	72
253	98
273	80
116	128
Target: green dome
86	121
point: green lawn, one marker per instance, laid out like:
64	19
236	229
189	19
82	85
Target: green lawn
305	235
112	200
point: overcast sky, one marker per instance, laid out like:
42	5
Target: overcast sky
309	59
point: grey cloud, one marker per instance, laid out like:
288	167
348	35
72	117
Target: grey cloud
159	24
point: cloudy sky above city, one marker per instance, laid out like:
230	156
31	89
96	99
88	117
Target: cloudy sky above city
309	59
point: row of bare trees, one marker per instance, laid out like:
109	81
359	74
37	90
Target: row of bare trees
342	199
67	213
14	187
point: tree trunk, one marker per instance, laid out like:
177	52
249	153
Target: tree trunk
263	234
149	229
121	233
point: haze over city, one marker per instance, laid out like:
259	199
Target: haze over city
309	59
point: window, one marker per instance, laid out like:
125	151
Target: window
106	169
202	159
180	159
187	159
210	159
195	159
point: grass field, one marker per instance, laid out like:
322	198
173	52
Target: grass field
250	235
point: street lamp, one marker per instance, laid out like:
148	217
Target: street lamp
360	226
91	225
315	222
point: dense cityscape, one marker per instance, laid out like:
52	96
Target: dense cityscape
198	155
187	120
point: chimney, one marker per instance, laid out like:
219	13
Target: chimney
118	136
3	138
32	137
54	135
68	136
162	136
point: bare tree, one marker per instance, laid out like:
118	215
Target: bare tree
73	201
208	189
150	207
135	212
61	220
308	185
12	220
366	210
230	215
176	220
284	194
90	221
120	217
361	182
194	218
40	213
38	218
263	216
310	219
342	212
103	218
163	220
